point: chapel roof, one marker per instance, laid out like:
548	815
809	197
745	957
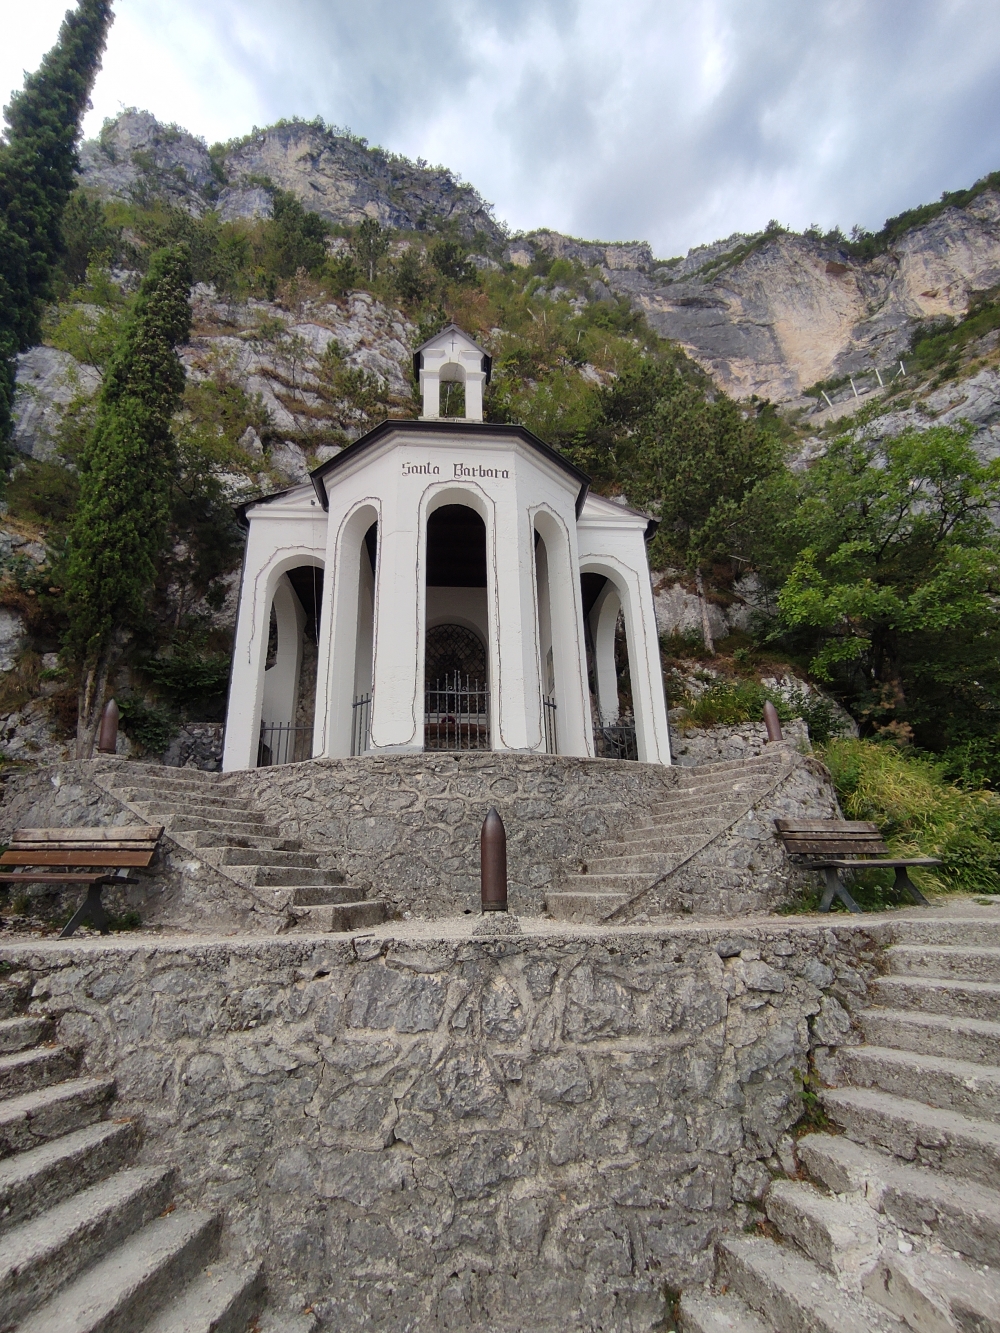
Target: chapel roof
438	426
418	355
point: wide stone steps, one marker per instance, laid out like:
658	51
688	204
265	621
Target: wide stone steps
342	916
718	1314
219	1300
39	1178
963	1215
36	1117
972	1039
36	1257
792	1292
583	906
932	995
123	1289
946	962
90	1243
941	929
213	818
241	819
26	1071
839	1235
948	1140
182	796
23	1030
958	1085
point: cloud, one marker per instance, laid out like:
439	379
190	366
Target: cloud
659	119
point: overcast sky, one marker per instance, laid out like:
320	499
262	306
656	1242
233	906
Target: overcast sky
676	121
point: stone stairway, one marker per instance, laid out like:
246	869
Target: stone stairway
206	815
895	1222
705	804
90	1242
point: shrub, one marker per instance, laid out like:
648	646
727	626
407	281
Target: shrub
149	727
43	490
920	813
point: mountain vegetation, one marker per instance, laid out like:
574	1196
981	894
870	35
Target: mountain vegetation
38	161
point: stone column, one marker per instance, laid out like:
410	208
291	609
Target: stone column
339	660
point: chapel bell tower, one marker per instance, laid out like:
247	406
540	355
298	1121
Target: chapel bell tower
451	358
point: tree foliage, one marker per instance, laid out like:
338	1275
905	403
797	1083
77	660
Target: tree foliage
692	460
126	476
896	579
37	164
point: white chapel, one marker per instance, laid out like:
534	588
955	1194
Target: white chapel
445	583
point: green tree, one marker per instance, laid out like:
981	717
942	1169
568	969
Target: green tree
370	246
896	580
126	478
293	238
37	164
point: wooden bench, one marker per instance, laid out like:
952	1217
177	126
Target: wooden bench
78	851
832	845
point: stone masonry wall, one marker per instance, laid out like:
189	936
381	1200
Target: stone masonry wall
409	825
426	1132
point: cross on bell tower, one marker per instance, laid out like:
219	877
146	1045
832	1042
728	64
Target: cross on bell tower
451	356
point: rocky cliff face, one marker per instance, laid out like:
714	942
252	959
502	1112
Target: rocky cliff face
773	316
335	175
768	315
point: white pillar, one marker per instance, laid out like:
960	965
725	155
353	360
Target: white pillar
603	623
246	686
516	696
645	671
338	664
474	381
398	679
569	657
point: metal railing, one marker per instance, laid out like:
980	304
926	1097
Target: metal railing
456	714
616	740
361	724
283	743
549	718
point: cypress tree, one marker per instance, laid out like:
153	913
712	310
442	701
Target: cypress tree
38	162
127	471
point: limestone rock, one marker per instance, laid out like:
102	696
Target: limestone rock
11	637
47	381
335	175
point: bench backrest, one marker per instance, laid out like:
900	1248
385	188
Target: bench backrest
831	837
111	846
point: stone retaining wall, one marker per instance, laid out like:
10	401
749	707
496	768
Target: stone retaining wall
409	825
424	1132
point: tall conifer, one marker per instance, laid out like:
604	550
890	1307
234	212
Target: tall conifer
38	161
127	471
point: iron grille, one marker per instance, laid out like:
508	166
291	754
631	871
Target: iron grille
456	714
283	743
361	724
549	716
617	740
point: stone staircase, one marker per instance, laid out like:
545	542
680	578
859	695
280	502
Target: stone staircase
206	815
893	1224
90	1242
705	804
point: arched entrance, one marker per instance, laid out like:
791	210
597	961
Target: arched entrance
288	700
456	644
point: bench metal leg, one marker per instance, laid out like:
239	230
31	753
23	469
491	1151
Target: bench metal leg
834	888
903	882
91	908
